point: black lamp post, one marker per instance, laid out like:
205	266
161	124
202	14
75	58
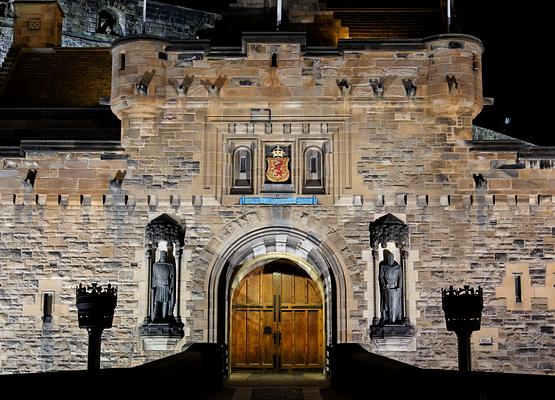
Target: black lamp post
463	314
95	311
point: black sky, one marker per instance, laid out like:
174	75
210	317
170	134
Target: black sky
515	61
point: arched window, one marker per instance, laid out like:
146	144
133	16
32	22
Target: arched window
313	182
242	171
107	24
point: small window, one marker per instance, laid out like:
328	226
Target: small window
313	164
518	288
122	61
242	171
47	306
313	182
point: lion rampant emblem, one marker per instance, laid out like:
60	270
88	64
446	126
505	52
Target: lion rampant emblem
278	166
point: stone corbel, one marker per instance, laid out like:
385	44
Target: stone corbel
183	88
214	88
377	87
142	86
410	88
343	86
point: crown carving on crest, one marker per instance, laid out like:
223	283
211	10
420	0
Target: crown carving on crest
278	152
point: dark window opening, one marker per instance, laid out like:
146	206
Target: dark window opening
243	164
47	306
518	289
313	161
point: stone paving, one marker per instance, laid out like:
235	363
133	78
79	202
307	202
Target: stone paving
278	386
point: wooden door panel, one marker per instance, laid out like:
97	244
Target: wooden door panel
239	338
300	283
267	292
314	343
268	351
277	321
313	293
300	333
253	337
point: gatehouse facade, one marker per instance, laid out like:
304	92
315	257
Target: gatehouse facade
279	198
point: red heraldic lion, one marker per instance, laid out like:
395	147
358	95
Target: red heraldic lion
278	166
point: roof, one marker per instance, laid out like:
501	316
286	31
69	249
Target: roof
58	94
58	77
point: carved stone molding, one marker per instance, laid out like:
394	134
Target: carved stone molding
388	229
164	228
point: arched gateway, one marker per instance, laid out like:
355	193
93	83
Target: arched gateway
277	296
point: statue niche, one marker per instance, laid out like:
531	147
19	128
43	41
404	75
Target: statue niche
163	289
165	239
391	287
390	307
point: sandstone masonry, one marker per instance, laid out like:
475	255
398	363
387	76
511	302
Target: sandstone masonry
406	153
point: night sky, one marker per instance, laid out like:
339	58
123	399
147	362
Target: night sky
516	51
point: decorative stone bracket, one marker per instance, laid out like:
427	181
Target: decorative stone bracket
214	88
410	88
142	86
378	87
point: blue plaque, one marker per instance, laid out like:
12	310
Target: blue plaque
279	201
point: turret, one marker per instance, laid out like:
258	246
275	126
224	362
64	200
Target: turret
455	75
138	75
38	23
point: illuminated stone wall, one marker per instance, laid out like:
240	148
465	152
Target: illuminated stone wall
411	156
6	36
81	20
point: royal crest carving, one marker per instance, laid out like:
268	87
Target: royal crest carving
277	170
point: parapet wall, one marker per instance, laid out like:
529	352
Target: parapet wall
414	72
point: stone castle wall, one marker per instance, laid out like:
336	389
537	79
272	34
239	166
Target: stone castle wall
6	36
409	156
82	17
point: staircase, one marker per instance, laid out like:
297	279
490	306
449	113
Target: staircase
9	62
390	23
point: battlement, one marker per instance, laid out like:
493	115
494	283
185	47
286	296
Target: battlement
440	73
379	202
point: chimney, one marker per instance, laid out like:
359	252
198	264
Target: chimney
38	23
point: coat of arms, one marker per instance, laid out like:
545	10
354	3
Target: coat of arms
278	166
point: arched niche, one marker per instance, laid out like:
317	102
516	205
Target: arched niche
110	22
389	238
242	171
313	173
164	241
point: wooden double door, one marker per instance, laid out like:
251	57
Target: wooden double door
276	320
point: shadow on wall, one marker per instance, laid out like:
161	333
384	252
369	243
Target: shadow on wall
352	367
199	369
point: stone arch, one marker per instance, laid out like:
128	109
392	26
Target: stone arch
116	9
260	236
